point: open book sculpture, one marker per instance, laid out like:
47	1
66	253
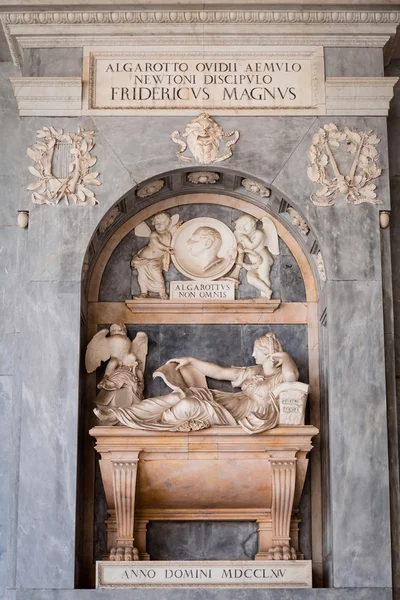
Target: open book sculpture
191	405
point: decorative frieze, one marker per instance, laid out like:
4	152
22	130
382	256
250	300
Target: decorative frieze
290	17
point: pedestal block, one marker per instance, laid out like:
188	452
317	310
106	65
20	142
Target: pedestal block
220	473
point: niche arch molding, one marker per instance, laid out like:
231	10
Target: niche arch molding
101	313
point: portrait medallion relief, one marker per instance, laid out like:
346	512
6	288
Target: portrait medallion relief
204	248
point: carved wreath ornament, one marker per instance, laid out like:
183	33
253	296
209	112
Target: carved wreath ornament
51	189
355	185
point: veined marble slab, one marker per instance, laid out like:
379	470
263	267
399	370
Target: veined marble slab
256	574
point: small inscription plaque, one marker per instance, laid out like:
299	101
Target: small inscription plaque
202	290
266	79
292	407
269	574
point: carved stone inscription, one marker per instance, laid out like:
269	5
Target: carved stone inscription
267	78
202	290
269	574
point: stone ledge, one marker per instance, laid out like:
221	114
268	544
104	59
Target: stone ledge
210	594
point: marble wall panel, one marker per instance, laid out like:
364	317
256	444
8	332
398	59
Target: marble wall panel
202	540
147	152
353	62
52	62
6	383
12	192
393	331
357	411
47	466
225	344
131	149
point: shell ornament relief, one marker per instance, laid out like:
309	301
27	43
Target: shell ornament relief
204	177
203	137
256	188
74	162
324	170
149	189
298	221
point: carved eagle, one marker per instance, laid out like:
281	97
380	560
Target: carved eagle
114	344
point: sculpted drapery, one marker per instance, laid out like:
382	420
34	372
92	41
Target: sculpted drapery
191	405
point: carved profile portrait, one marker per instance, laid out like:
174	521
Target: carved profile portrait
204	248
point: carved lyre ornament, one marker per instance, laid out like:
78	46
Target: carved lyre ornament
68	177
355	186
203	138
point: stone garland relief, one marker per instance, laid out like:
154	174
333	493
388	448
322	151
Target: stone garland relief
70	154
203	137
355	186
207	251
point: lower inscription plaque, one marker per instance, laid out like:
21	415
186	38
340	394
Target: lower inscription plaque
269	574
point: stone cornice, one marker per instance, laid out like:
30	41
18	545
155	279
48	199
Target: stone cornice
87	27
292	17
344	96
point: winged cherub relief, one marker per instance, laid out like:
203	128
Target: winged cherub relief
255	249
153	259
123	382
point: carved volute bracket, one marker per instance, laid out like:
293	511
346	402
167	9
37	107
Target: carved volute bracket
124	483
283	486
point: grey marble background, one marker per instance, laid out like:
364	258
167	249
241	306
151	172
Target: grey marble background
41	307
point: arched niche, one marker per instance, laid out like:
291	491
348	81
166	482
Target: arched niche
111	233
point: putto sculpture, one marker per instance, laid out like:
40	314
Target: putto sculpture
205	248
204	137
255	249
191	405
153	259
